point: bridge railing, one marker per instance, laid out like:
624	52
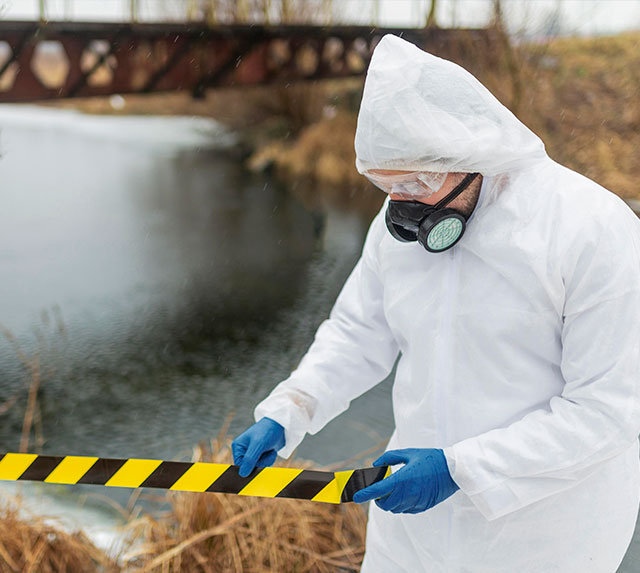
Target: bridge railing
163	45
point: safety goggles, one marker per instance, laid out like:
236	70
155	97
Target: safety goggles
410	184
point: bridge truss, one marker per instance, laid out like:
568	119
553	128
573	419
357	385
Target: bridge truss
53	60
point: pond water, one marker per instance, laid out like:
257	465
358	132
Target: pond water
161	287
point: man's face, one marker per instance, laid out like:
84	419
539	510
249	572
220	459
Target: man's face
429	198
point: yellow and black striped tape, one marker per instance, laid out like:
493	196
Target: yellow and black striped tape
327	487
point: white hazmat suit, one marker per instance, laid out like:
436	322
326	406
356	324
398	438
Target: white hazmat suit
519	347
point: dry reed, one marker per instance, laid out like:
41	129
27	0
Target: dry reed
34	544
217	532
199	533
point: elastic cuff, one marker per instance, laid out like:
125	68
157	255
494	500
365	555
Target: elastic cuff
289	419
451	463
492	501
496	502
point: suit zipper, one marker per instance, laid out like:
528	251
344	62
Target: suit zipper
443	366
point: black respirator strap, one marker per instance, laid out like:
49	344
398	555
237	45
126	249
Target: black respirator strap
457	190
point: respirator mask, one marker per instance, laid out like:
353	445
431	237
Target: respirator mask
436	227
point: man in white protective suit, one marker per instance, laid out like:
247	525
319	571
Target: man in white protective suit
509	288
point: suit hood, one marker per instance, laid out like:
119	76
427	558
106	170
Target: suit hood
421	112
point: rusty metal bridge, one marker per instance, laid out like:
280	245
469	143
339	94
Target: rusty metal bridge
43	59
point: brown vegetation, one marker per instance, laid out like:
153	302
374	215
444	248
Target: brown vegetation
215	532
30	545
583	101
34	376
578	94
199	533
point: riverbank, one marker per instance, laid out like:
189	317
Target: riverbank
578	94
198	532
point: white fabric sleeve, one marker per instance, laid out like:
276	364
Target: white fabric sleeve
353	350
597	415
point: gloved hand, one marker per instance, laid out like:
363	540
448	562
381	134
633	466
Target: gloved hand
423	482
257	446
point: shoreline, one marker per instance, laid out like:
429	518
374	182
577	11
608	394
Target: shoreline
577	94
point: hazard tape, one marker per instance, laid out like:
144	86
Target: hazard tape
327	487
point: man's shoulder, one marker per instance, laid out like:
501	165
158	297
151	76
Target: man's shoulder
571	200
591	221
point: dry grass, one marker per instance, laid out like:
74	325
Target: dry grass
320	166
324	151
199	533
579	95
31	543
582	98
244	107
34	545
31	363
215	532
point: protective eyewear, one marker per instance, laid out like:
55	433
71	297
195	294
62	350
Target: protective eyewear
410	184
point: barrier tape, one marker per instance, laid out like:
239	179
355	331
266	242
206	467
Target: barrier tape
326	487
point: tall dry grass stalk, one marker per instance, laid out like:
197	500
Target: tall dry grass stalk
216	532
33	545
31	364
32	403
47	336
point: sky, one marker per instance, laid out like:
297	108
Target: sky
580	17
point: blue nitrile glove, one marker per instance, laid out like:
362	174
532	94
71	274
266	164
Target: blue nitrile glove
257	446
423	482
